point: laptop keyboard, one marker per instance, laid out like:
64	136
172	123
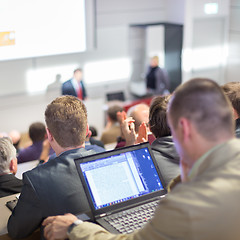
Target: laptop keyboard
132	219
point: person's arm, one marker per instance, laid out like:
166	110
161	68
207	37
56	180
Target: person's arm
170	221
26	217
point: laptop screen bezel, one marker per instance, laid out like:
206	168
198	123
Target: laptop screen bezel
125	204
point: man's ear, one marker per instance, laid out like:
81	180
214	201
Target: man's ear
87	131
235	114
13	166
49	135
184	128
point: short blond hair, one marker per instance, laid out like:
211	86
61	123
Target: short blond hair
66	118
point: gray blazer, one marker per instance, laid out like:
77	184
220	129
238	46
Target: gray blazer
50	189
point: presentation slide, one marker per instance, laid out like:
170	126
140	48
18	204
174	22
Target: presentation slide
34	28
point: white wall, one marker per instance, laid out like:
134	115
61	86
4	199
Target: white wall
113	20
233	66
205	40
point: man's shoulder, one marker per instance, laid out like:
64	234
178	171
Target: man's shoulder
63	161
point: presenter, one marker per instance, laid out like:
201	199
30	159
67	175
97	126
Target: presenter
157	80
75	86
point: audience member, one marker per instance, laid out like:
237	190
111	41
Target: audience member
112	130
92	139
89	146
37	134
15	136
205	205
54	187
75	86
232	90
9	184
140	114
163	147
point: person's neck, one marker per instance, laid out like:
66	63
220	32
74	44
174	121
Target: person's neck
204	147
61	150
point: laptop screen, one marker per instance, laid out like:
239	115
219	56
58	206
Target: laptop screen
120	177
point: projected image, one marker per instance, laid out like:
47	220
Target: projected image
40	28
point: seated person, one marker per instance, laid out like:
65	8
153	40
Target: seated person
9	184
163	147
112	130
232	91
90	146
140	114
37	134
206	205
93	139
15	136
54	187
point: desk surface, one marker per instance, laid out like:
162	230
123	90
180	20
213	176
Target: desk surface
5	213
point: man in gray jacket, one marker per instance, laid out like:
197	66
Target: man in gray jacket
55	187
206	204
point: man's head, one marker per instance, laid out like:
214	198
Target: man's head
66	119
158	117
200	117
8	160
232	91
154	61
37	132
140	113
77	74
112	112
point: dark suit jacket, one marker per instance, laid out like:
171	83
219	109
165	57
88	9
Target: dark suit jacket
68	89
9	185
50	189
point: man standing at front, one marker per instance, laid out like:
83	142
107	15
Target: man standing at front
206	204
75	86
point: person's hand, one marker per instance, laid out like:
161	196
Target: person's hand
121	116
142	134
56	227
128	131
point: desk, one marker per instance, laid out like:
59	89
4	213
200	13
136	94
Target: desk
5	214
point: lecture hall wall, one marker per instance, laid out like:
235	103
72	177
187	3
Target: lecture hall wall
113	20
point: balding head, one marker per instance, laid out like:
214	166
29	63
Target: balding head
203	102
140	113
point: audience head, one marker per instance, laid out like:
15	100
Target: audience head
37	132
66	119
93	131
77	74
232	91
154	61
140	113
8	160
158	117
112	112
200	117
15	136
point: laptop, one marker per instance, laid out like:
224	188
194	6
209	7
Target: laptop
122	182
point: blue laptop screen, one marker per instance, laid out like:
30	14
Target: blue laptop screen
121	177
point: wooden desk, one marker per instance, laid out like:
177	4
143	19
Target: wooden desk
5	214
